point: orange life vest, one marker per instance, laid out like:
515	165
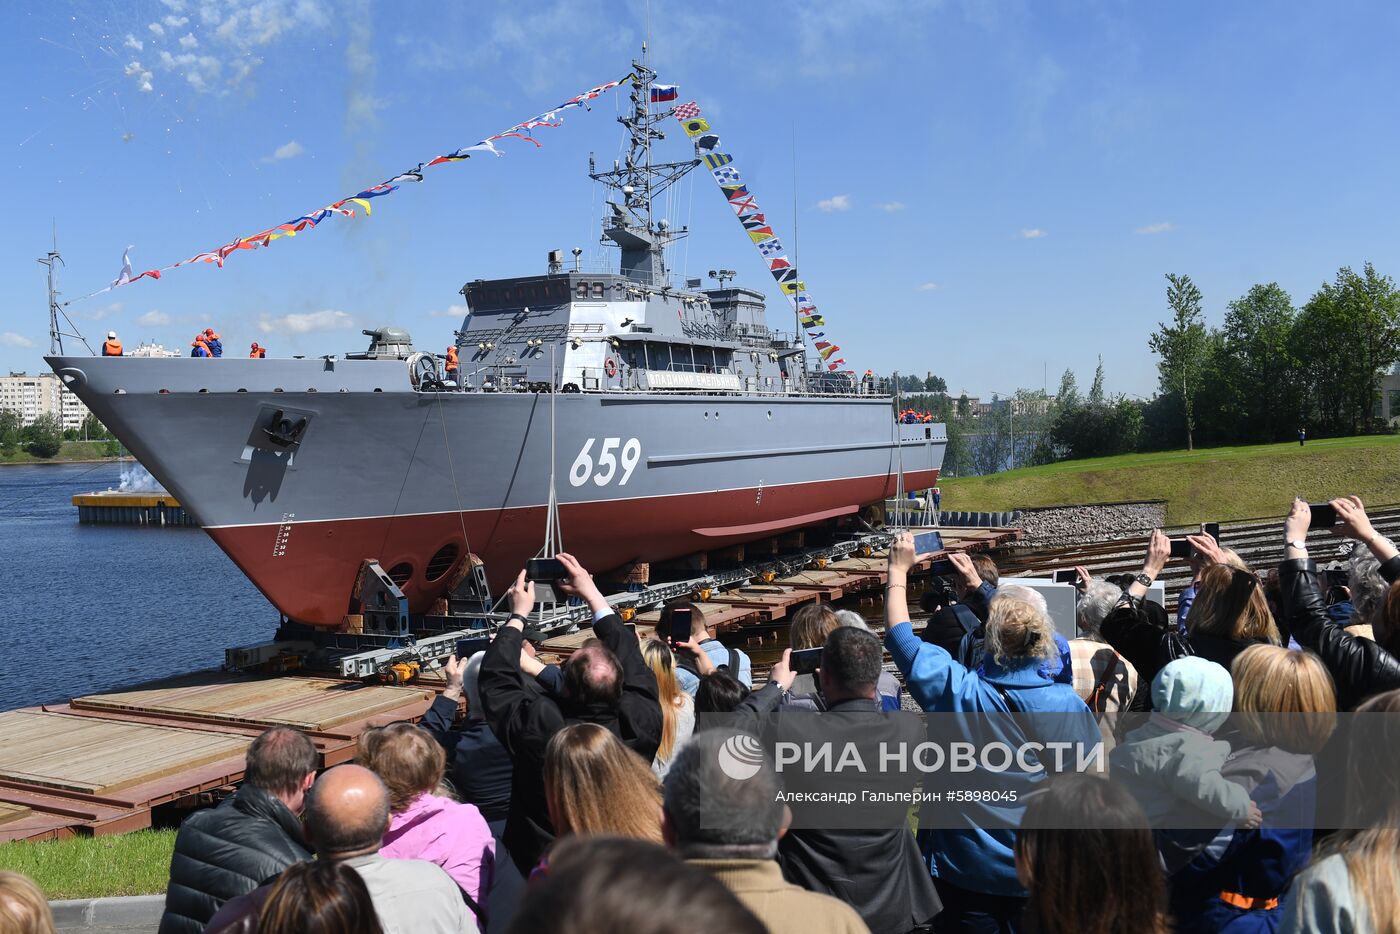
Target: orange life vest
452	359
257	353
111	348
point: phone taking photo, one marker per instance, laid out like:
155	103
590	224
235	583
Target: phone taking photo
544	570
681	617
466	648
1181	548
805	661
927	543
1213	530
1067	576
1324	515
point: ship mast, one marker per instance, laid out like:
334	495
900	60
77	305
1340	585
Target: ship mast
638	180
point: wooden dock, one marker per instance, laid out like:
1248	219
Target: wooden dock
100	764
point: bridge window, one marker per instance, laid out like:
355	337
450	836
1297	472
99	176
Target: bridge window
597	290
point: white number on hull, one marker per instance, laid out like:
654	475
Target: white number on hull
608	463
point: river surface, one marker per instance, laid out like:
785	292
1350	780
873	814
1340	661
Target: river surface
91	607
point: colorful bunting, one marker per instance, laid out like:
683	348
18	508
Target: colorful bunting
523	130
755	224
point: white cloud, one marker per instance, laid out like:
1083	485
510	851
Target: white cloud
133	43
154	319
285	151
451	311
188	41
1159	227
1033	233
142	76
11	339
175	22
305	323
835	203
97	314
156	29
930	287
891	207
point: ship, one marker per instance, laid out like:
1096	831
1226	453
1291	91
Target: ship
663	419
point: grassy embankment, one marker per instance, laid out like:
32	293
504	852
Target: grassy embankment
72	452
1199	486
95	867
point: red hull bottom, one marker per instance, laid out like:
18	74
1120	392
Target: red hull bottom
308	569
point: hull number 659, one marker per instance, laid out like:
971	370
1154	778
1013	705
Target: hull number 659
611	465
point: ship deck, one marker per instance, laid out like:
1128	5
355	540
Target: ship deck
103	763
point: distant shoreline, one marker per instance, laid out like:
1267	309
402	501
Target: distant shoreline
56	460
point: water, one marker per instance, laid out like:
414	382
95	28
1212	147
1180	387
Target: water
88	608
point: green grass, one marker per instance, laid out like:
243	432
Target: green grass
95	867
71	451
1199	486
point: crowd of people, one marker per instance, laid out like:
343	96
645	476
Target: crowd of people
207	344
594	796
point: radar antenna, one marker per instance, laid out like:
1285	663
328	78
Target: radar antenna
629	222
56	332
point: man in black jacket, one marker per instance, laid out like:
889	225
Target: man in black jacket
877	868
227	851
606	682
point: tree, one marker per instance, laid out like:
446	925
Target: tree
43	437
1095	396
1180	344
93	429
1257	367
935	384
1068	396
1345	338
9	431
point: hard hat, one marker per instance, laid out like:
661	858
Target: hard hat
111	335
208	330
255	346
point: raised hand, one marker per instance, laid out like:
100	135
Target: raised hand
521	597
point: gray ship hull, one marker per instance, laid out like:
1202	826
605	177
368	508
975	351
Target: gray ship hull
417	480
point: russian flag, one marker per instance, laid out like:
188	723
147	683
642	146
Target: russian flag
661	93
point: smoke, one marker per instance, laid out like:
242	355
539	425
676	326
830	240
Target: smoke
137	479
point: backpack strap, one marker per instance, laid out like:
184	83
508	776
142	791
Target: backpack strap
1096	695
734	663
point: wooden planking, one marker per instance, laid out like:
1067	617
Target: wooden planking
13	812
97	757
306	703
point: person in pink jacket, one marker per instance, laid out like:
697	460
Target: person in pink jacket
423	822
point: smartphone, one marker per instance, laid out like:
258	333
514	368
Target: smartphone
805	661
1181	548
680	624
1068	576
942	568
1213	530
466	648
545	569
630	627
927	542
1324	515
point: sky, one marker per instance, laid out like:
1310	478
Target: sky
990	190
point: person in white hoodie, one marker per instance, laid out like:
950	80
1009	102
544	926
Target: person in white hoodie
1172	764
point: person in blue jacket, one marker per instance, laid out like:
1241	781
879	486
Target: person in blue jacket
1286	712
974	865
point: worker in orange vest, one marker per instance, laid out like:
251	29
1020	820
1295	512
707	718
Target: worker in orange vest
212	343
111	347
257	353
451	366
201	349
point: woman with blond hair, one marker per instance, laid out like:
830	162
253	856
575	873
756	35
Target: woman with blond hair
677	707
974	864
1286	712
595	786
1353	884
23	908
1229	615
810	626
423	823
